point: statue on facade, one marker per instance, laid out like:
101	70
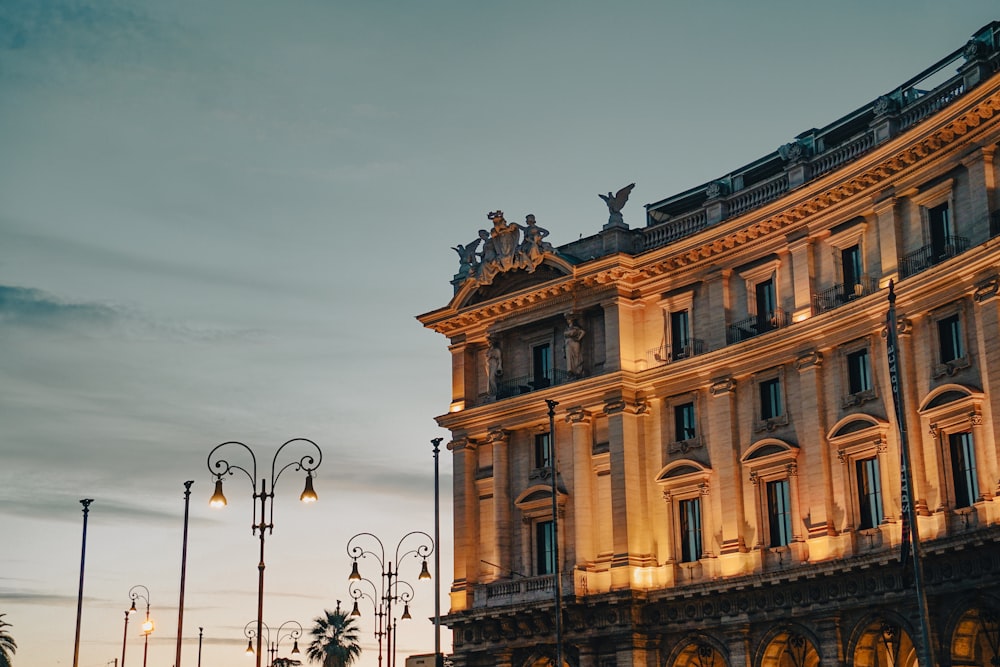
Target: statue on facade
616	203
504	247
529	253
468	258
494	365
574	334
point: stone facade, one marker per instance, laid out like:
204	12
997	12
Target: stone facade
726	450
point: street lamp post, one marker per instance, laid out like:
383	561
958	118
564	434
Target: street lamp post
389	589
273	642
438	656
128	612
384	625
220	467
136	592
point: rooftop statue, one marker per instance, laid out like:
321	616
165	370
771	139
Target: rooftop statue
503	249
616	203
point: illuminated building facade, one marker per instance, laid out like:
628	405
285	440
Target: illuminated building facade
726	449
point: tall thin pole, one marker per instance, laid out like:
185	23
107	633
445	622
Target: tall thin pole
909	508
79	598
184	553
125	635
438	657
260	567
200	632
555	532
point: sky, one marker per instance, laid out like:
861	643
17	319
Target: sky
219	219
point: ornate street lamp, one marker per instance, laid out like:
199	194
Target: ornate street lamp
221	467
389	590
135	593
273	642
990	622
889	634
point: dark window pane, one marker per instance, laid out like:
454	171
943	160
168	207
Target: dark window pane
541	357
690	529
851	261
545	546
950	338
543	452
869	493
963	469
770	399
684	426
779	513
679	339
858	372
939	219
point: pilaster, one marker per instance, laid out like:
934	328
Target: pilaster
817	496
583	472
982	186
630	532
466	522
501	499
724	453
887	225
802	270
987	314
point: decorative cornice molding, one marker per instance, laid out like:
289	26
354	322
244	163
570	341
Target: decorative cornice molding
987	289
810	360
721	386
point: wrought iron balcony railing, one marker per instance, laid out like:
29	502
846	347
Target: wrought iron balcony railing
665	354
756	325
843	293
932	254
525	384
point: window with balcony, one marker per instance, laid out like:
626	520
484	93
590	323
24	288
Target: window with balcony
941	233
545	547
963	468
690	529
680	340
541	365
766	304
869	492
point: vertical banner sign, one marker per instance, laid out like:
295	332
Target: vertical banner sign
897	401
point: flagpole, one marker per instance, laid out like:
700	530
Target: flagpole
911	532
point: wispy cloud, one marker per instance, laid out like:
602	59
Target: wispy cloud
34	308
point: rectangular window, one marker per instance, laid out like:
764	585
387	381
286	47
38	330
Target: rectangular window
545	547
766	305
684	422
939	222
779	513
690	524
869	493
859	376
850	259
679	339
770	399
950	338
541	366
963	469
543	451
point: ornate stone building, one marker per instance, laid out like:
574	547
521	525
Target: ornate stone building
726	451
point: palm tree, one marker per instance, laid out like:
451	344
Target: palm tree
7	645
334	640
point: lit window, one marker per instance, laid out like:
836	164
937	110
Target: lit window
869	492
779	513
850	259
859	377
963	468
690	529
684	424
545	547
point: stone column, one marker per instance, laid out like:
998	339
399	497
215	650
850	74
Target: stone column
501	499
620	344
802	270
816	501
987	314
466	522
463	388
713	321
724	454
982	192
582	492
630	529
738	642
887	220
831	645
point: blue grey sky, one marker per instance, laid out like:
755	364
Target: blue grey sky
219	218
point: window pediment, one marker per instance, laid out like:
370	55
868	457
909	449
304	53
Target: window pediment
536	501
